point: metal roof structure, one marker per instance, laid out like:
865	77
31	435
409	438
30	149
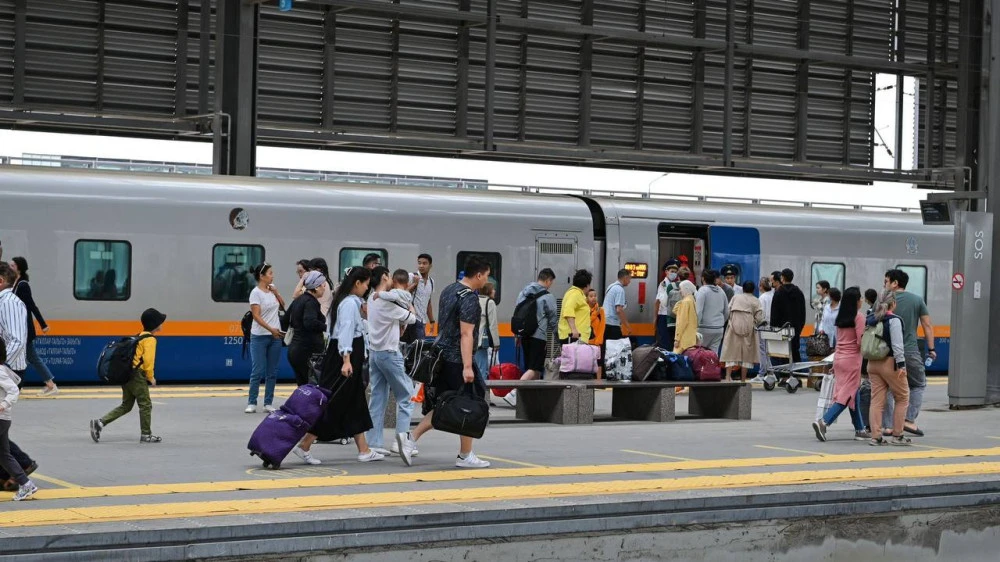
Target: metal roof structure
777	88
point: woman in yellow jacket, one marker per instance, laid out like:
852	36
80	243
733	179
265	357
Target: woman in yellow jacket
687	319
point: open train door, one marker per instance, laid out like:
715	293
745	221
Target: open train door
736	246
557	251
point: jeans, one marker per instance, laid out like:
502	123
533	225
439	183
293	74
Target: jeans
265	351
135	390
836	409
387	371
37	363
916	379
482	360
7	461
765	360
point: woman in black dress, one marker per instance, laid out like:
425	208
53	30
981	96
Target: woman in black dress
308	325
347	412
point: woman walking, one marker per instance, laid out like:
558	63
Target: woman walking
489	332
740	348
265	337
308	326
346	413
889	374
850	324
23	292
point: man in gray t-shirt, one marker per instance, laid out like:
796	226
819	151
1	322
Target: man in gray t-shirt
913	311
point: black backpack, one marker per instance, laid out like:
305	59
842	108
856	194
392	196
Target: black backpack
115	364
246	324
524	322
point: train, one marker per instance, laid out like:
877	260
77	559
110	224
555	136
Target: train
104	246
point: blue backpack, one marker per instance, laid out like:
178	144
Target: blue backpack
115	364
678	367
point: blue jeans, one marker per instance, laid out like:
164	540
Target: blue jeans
482	360
836	409
387	371
265	351
35	361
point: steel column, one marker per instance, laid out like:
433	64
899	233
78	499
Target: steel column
491	67
698	82
900	56
235	142
802	87
727	94
394	74
329	65
586	74
640	80
20	49
204	53
522	93
929	107
181	74
748	84
989	179
848	84
462	75
101	14
969	53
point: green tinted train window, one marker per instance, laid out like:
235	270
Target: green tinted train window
491	258
232	271
102	270
918	280
351	257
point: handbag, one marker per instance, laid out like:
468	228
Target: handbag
461	412
818	346
422	360
289	334
579	357
825	396
316	367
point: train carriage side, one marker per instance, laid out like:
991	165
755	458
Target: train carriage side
186	245
845	248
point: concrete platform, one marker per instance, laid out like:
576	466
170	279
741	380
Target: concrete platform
199	495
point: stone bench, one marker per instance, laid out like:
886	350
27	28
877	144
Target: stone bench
572	401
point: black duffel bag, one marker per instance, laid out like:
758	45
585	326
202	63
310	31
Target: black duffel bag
461	412
422	360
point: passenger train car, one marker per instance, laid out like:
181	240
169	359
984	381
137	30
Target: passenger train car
102	247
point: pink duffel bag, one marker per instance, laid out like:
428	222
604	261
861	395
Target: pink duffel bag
579	358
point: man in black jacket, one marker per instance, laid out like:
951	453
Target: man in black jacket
789	306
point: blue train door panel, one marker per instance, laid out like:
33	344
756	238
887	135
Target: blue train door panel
736	246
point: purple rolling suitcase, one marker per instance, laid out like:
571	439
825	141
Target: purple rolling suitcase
276	436
307	402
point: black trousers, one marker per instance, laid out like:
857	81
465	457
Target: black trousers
10	464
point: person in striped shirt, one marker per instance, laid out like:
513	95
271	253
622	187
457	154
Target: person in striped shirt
13	322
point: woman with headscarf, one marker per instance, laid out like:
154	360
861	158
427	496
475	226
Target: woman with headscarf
740	348
346	413
308	325
889	373
686	335
850	326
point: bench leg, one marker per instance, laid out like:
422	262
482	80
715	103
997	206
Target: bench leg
553	405
643	404
720	402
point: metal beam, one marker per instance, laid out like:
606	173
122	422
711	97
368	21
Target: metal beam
180	69
848	85
329	65
748	85
989	178
586	74
899	55
94	122
101	15
522	94
235	140
462	75
928	101
394	74
20	49
491	68
409	12
727	94
204	53
698	81
970	22
802	87
640	81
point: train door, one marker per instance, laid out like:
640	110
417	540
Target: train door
738	247
557	251
685	242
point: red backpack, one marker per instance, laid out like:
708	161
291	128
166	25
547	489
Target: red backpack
704	363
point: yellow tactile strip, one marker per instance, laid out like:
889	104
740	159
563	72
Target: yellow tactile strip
894	455
103	514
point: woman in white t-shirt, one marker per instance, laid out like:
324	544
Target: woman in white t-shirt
265	337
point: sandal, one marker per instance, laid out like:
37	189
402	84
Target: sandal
915	430
878	442
900	441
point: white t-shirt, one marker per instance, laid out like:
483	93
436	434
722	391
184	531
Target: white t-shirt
421	297
268	311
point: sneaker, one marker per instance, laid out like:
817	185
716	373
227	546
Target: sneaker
862	435
49	391
511	398
149	439
413	446
383	451
756	380
405	448
95	430
269	409
370	456
26	491
306	456
471	461
250	409
819	426
900	441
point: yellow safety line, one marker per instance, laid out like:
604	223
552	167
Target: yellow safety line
143	512
790	450
992	437
508	461
657	455
931	447
110	396
491	473
56	481
163	388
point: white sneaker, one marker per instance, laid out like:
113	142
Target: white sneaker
413	446
25	491
382	451
306	456
269	408
370	456
471	461
757	380
511	399
251	409
49	391
405	447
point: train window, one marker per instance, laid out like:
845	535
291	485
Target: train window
350	257
832	273
102	270
491	258
232	271
918	279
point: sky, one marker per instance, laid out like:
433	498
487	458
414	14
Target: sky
19	143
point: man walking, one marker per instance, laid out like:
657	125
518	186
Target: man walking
913	311
422	295
617	326
535	296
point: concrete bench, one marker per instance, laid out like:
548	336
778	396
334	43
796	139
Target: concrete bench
572	401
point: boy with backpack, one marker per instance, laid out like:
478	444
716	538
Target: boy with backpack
8	397
136	388
535	315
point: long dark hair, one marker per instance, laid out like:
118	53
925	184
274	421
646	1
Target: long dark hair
848	311
22	266
355	275
319	264
377	274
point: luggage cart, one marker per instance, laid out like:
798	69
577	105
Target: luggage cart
778	345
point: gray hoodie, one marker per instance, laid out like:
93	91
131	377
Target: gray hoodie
8	391
712	307
548	314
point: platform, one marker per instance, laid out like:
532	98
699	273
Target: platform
200	495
